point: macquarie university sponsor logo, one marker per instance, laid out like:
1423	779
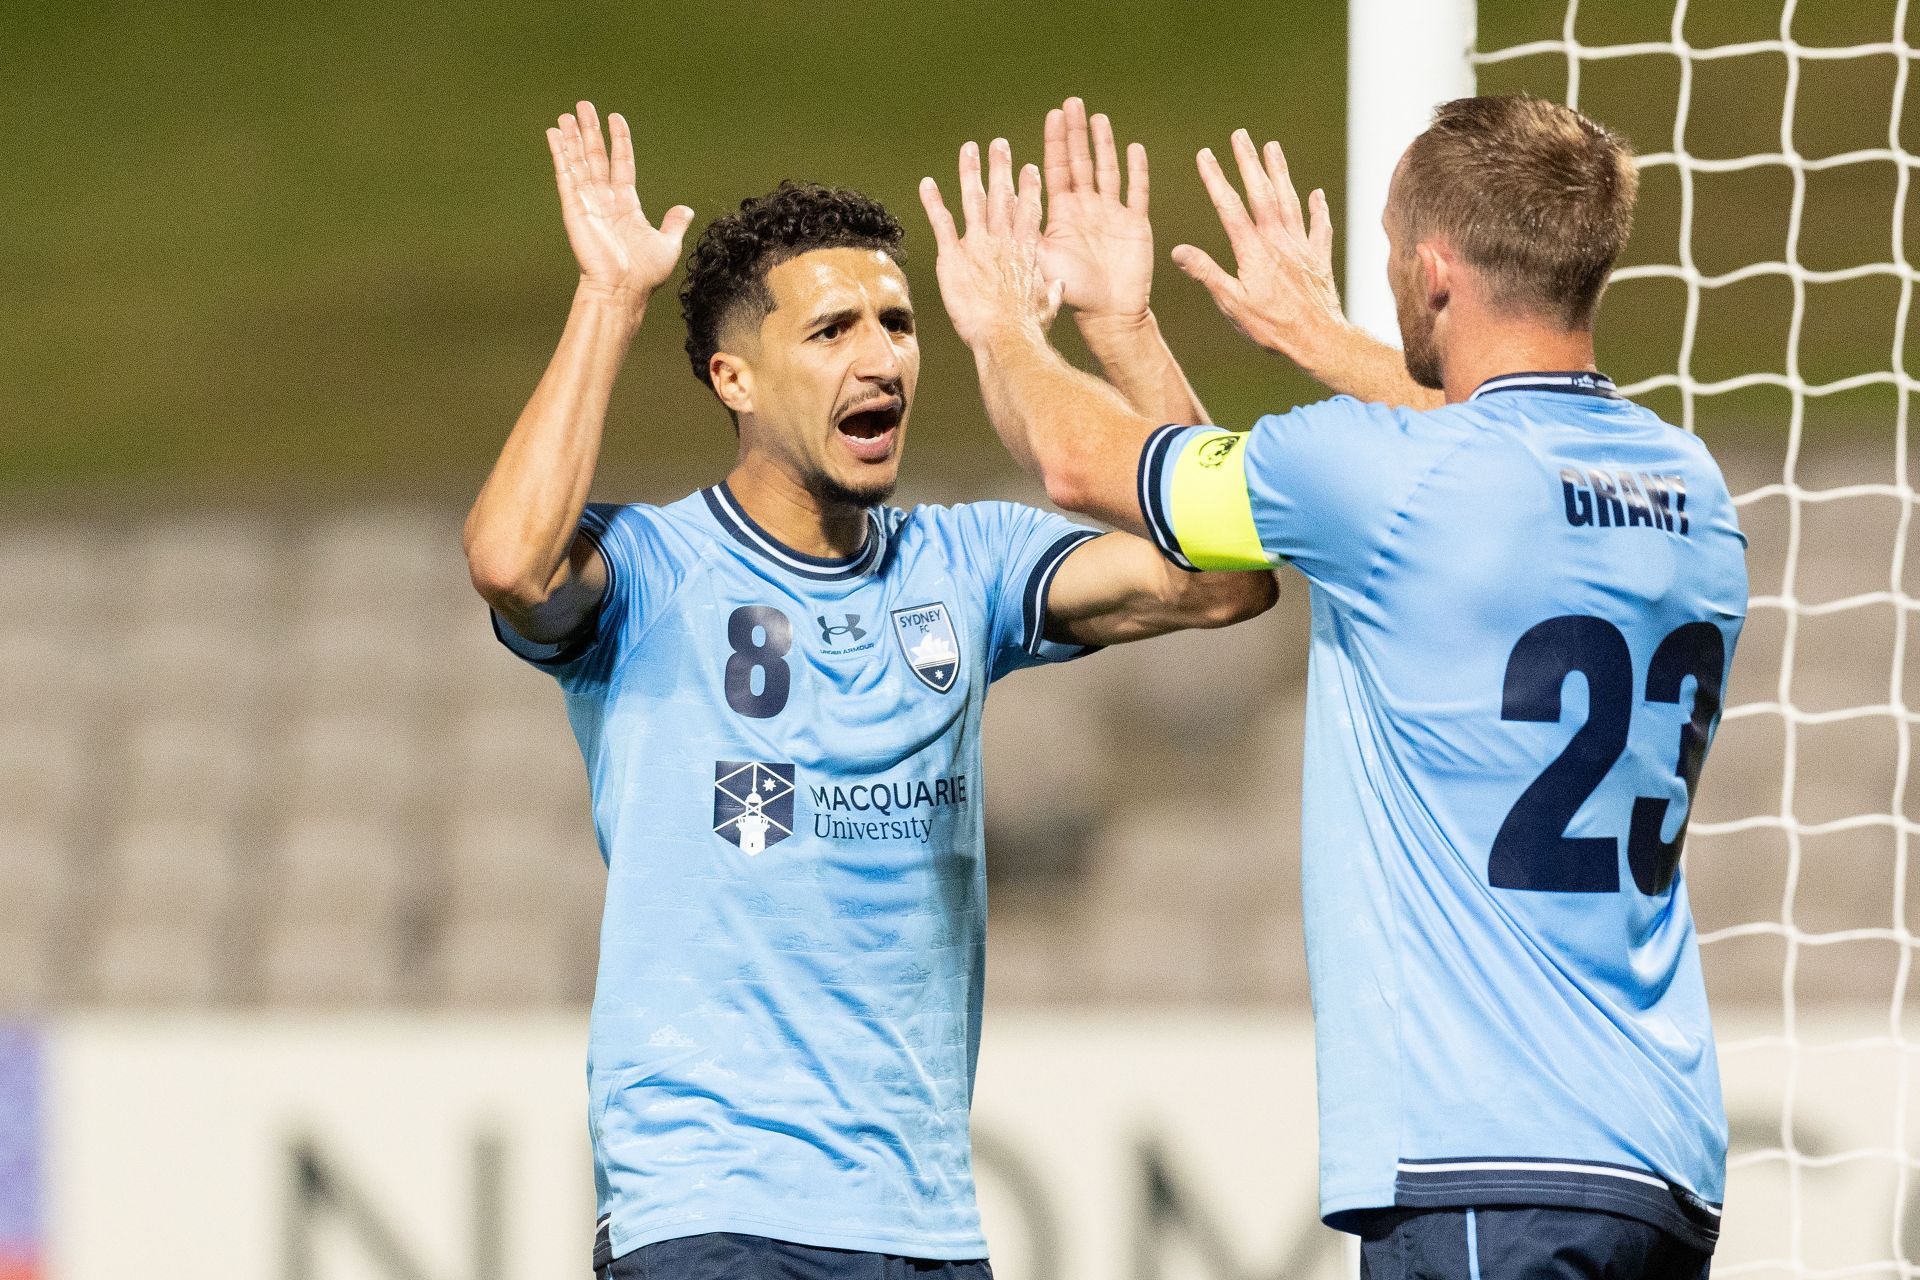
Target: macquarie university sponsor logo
886	810
752	803
927	638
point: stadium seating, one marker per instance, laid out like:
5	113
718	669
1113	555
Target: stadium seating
251	761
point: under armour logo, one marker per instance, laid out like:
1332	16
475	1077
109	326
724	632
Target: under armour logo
852	631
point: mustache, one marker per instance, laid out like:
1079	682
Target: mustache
888	394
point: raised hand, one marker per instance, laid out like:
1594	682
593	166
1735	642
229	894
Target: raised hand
620	253
1098	246
1284	296
991	276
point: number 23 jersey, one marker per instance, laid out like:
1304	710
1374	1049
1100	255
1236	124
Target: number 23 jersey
784	756
1524	606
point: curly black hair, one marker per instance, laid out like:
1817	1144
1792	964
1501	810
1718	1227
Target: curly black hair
727	273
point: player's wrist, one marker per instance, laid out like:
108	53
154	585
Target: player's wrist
1319	347
1100	328
623	303
1007	332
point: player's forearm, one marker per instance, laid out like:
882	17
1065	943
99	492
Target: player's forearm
1350	361
1117	589
525	518
1073	431
1134	355
1182	602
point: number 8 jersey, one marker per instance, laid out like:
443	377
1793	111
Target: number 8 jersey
1523	610
784	755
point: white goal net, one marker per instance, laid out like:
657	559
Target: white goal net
1768	304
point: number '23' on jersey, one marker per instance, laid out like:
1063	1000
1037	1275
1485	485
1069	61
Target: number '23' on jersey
1524	610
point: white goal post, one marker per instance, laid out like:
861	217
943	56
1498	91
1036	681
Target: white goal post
1403	58
1801	857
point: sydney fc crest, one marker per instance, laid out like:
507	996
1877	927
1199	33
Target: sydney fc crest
752	803
926	636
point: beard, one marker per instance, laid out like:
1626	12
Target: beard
1423	363
1417	347
1420	352
829	491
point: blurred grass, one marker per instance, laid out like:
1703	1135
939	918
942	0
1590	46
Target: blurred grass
314	251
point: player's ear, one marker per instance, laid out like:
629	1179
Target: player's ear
732	380
1436	276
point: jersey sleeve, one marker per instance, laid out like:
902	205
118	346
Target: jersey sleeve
1015	551
1317	487
639	575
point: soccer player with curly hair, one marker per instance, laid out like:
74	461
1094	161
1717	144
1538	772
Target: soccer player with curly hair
777	686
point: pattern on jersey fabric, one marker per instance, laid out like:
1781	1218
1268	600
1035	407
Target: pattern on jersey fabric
784	758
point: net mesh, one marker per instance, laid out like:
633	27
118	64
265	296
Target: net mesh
1768	305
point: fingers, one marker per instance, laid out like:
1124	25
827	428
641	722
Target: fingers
572	148
1056	294
1000	194
622	153
1026	207
1199	264
1320	232
944	234
596	146
623	188
973	196
557	144
1137	178
1106	158
1226	202
675	224
1260	194
1053	156
569	166
1282	180
1079	158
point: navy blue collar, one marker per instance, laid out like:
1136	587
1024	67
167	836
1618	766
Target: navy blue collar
1579	383
733	518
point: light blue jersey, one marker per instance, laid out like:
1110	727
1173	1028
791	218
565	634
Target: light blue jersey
1524	607
784	754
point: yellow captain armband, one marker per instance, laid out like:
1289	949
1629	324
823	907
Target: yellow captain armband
1208	505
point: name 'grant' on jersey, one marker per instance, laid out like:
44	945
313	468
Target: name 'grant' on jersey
1524	608
784	755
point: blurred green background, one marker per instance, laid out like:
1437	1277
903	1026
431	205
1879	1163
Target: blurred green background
312	252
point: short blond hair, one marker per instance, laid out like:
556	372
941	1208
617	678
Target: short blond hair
1535	196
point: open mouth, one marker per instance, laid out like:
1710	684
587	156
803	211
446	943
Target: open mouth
869	433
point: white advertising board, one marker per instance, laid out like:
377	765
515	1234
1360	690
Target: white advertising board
1109	1147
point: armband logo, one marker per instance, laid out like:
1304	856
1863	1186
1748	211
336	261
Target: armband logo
1216	451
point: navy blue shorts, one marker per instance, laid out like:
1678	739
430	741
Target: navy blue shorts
1522	1243
726	1256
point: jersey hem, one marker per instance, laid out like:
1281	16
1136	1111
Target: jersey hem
625	1242
1466	1182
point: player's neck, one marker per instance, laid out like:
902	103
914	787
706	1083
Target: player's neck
783	506
1496	346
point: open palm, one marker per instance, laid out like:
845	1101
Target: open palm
1097	246
618	250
